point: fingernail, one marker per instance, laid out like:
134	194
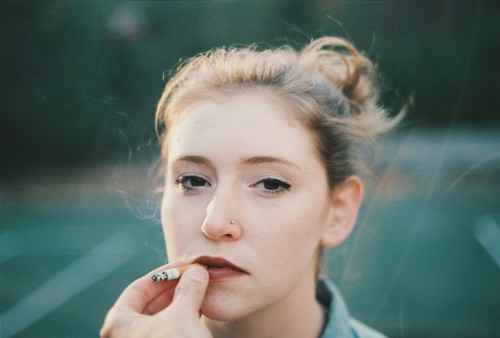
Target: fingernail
196	273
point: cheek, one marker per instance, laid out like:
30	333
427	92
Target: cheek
177	224
288	230
286	251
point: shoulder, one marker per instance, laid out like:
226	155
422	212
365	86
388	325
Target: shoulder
340	323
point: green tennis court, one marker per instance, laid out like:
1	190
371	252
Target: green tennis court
423	261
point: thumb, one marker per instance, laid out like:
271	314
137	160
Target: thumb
190	290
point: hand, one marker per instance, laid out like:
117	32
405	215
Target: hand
166	309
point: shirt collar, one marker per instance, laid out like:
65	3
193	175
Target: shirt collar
337	324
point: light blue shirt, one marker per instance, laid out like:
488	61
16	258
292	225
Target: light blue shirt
340	324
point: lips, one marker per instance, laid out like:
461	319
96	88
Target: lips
220	268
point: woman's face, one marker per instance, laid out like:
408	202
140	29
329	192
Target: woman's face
247	195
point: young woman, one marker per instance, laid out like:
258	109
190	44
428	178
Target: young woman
259	154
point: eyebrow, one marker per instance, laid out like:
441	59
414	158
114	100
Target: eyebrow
254	160
194	159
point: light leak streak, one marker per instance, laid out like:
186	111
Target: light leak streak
96	264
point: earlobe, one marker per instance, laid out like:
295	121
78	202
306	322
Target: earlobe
345	202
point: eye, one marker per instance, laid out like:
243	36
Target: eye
272	185
192	182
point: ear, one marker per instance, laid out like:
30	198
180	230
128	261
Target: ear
345	202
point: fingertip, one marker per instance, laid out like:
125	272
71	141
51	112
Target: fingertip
197	274
190	291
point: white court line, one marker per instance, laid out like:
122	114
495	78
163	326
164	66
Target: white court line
487	232
96	264
47	240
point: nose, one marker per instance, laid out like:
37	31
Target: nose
220	223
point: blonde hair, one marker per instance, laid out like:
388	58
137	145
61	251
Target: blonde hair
329	86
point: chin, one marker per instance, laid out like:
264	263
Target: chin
220	308
219	313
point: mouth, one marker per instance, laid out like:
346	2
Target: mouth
220	268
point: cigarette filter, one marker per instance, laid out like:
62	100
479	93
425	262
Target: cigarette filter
173	273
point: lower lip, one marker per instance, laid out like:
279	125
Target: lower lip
224	273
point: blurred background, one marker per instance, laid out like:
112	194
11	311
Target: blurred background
79	82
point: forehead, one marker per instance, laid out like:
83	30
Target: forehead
245	125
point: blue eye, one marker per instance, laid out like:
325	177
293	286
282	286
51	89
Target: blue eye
191	182
273	185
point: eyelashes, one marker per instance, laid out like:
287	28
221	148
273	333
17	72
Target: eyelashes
268	185
271	185
192	182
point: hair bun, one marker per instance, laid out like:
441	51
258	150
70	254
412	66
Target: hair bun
342	65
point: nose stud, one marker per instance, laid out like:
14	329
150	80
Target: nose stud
231	222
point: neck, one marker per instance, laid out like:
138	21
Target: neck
297	315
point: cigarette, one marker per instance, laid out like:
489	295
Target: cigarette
173	273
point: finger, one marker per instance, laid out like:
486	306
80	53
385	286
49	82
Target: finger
143	291
190	290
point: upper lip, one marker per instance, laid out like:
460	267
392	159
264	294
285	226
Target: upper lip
218	262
